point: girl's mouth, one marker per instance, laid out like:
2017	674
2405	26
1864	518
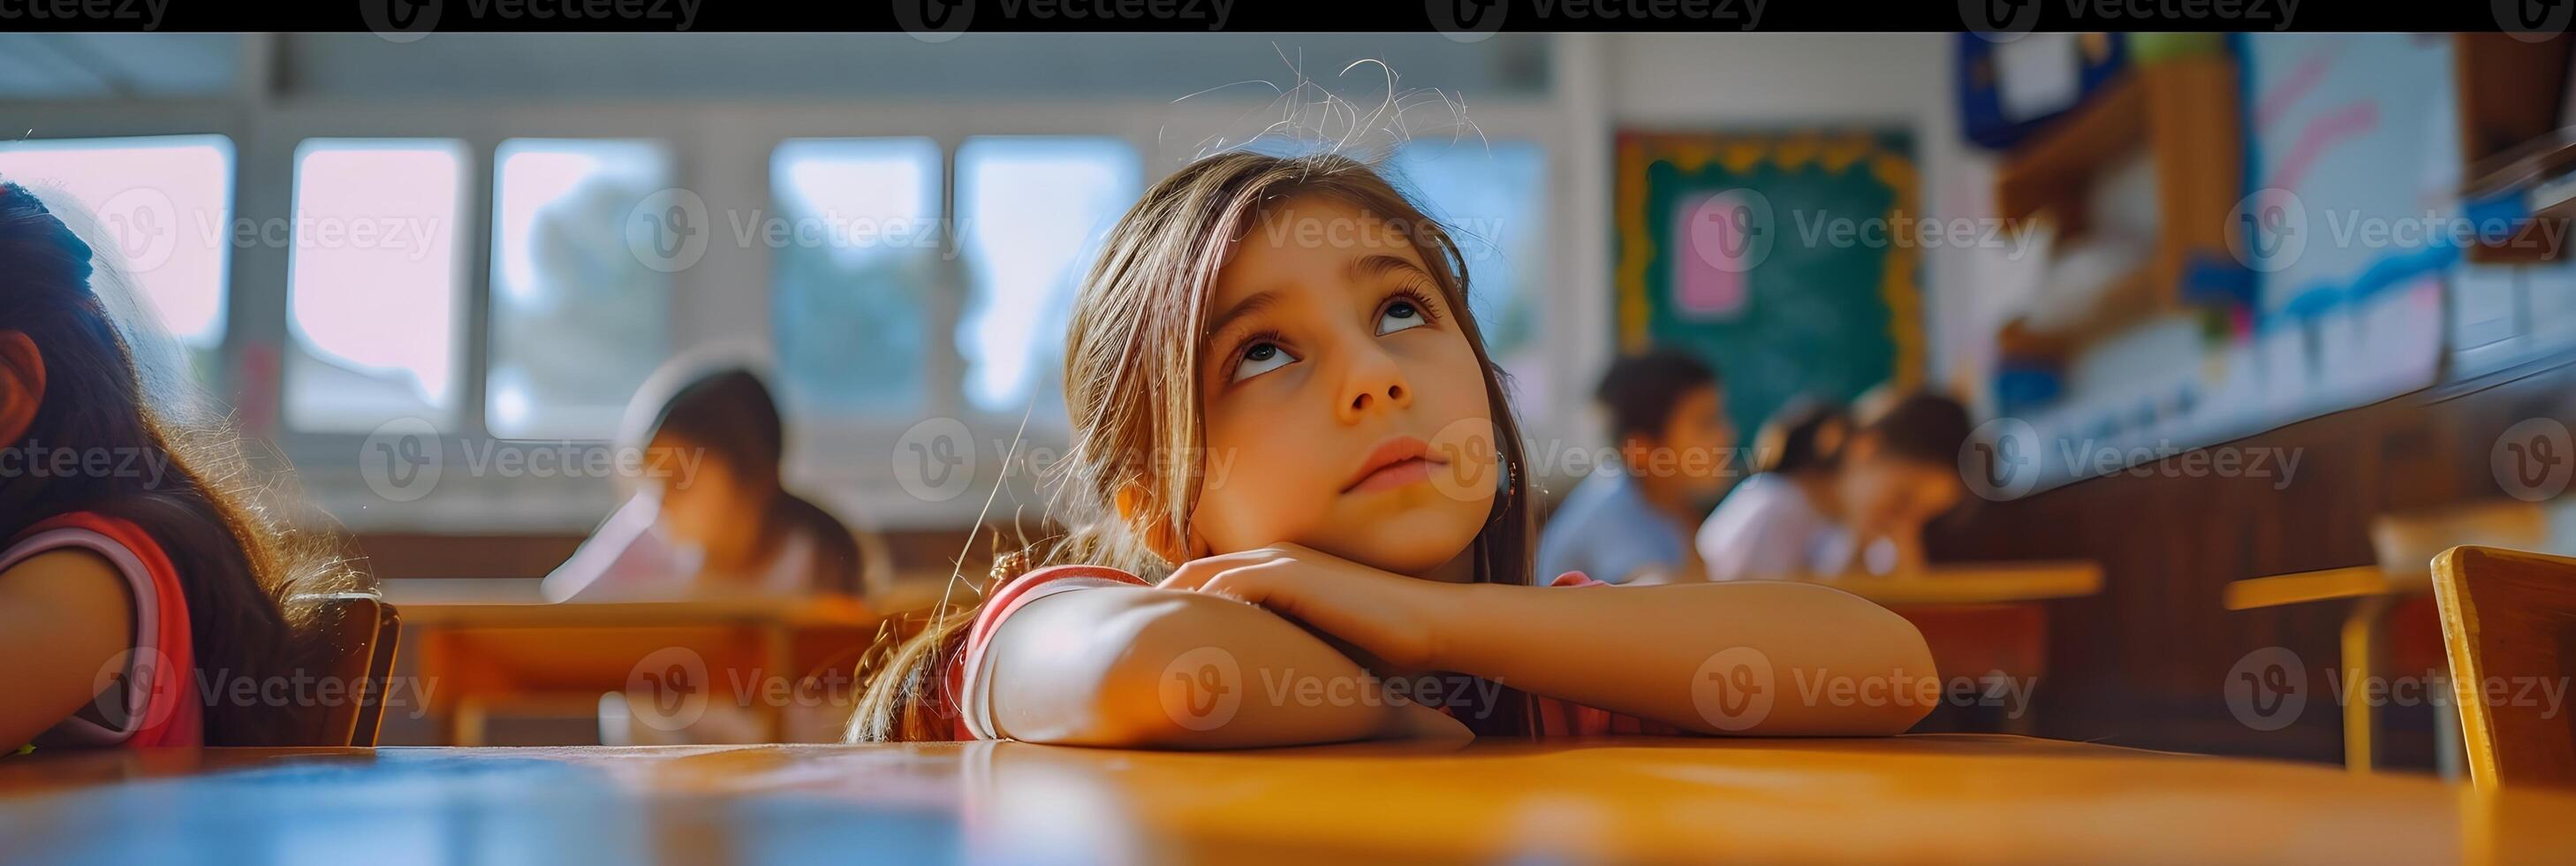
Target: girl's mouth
1394	463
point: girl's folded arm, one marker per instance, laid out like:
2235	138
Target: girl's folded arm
63	616
1829	662
1145	667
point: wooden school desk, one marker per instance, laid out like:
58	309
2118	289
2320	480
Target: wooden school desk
1982	619
2370	593
491	644
1930	798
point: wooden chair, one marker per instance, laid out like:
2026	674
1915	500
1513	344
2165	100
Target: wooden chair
2509	617
362	630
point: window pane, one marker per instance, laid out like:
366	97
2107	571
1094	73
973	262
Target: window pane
156	210
579	317
1031	212
1492	197
860	247
372	282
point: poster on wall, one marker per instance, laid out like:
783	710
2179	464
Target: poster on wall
2342	243
2354	160
1766	254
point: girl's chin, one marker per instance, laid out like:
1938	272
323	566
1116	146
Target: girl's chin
1409	547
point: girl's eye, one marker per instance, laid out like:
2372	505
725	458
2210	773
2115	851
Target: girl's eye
1399	316
1260	358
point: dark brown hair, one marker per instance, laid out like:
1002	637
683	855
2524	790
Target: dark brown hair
1808	434
246	577
1640	391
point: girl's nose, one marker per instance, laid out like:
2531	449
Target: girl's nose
1375	383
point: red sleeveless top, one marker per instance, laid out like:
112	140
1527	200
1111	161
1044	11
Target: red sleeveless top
147	695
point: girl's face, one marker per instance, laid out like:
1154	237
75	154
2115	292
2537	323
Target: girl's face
1344	409
713	507
1884	494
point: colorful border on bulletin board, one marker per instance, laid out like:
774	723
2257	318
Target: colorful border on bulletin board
1882	156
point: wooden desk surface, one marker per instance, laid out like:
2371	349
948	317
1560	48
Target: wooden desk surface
2332	583
515	604
1984	583
1941	798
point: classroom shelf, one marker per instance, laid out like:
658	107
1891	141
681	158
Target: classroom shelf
2182	111
2509	92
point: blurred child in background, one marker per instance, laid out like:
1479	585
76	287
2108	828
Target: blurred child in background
1840	490
1631	522
711	515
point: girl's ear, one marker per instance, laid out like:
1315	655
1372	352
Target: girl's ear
1134	504
22	384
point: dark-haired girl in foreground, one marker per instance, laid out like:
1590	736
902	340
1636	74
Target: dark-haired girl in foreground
130	584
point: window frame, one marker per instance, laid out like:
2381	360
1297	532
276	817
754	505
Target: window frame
722	150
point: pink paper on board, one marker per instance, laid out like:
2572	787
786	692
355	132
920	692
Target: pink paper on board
1709	282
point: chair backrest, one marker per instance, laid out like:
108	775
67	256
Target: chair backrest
361	630
2509	623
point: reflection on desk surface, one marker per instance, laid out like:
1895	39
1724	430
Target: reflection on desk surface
1936	797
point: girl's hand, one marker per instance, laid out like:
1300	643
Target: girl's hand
1395	618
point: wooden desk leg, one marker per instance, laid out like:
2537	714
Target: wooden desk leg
780	646
2363	644
465	723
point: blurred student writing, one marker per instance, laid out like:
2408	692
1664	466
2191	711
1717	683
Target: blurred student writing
711	515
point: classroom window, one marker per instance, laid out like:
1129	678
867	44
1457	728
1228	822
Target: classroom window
1492	196
856	257
1030	213
157	212
580	312
374	283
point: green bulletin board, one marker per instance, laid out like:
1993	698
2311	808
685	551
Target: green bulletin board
1728	247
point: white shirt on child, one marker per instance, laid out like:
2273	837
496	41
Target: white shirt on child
629	559
1767	529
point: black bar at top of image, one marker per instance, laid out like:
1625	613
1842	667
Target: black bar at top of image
1467	20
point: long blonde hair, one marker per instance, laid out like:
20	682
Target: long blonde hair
1131	386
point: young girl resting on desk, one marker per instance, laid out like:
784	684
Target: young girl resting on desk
1304	517
138	581
1840	491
